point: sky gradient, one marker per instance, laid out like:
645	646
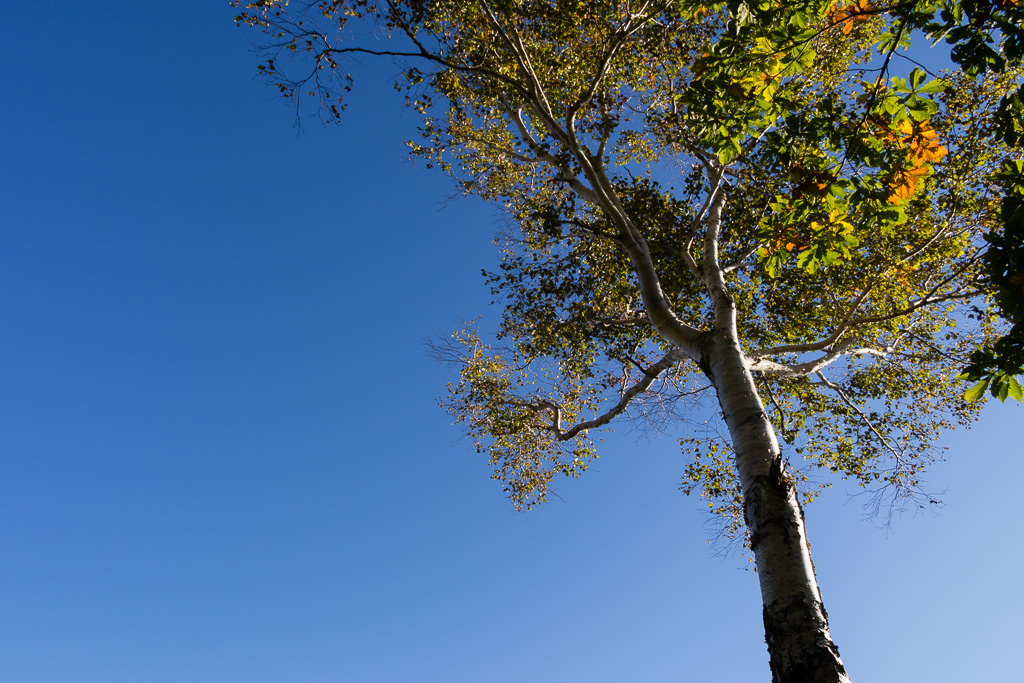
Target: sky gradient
221	458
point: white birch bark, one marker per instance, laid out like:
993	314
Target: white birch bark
800	646
796	624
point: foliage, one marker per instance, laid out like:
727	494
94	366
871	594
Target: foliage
989	37
640	146
997	366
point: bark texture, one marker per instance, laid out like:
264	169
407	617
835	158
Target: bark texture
796	624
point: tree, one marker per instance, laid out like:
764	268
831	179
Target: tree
732	199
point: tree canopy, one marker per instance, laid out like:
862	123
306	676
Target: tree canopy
770	205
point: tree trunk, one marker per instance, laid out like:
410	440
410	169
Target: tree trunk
796	624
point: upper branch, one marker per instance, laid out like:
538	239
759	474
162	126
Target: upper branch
567	175
515	44
650	375
713	204
620	38
774	368
821	344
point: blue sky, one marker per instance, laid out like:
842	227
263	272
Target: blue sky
220	454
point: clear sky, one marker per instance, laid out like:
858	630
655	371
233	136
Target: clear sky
220	455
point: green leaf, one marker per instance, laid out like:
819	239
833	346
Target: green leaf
933	87
1015	388
977	391
917	77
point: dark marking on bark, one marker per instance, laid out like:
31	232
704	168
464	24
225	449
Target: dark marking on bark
758	416
777	475
706	344
763	491
755	535
799	655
